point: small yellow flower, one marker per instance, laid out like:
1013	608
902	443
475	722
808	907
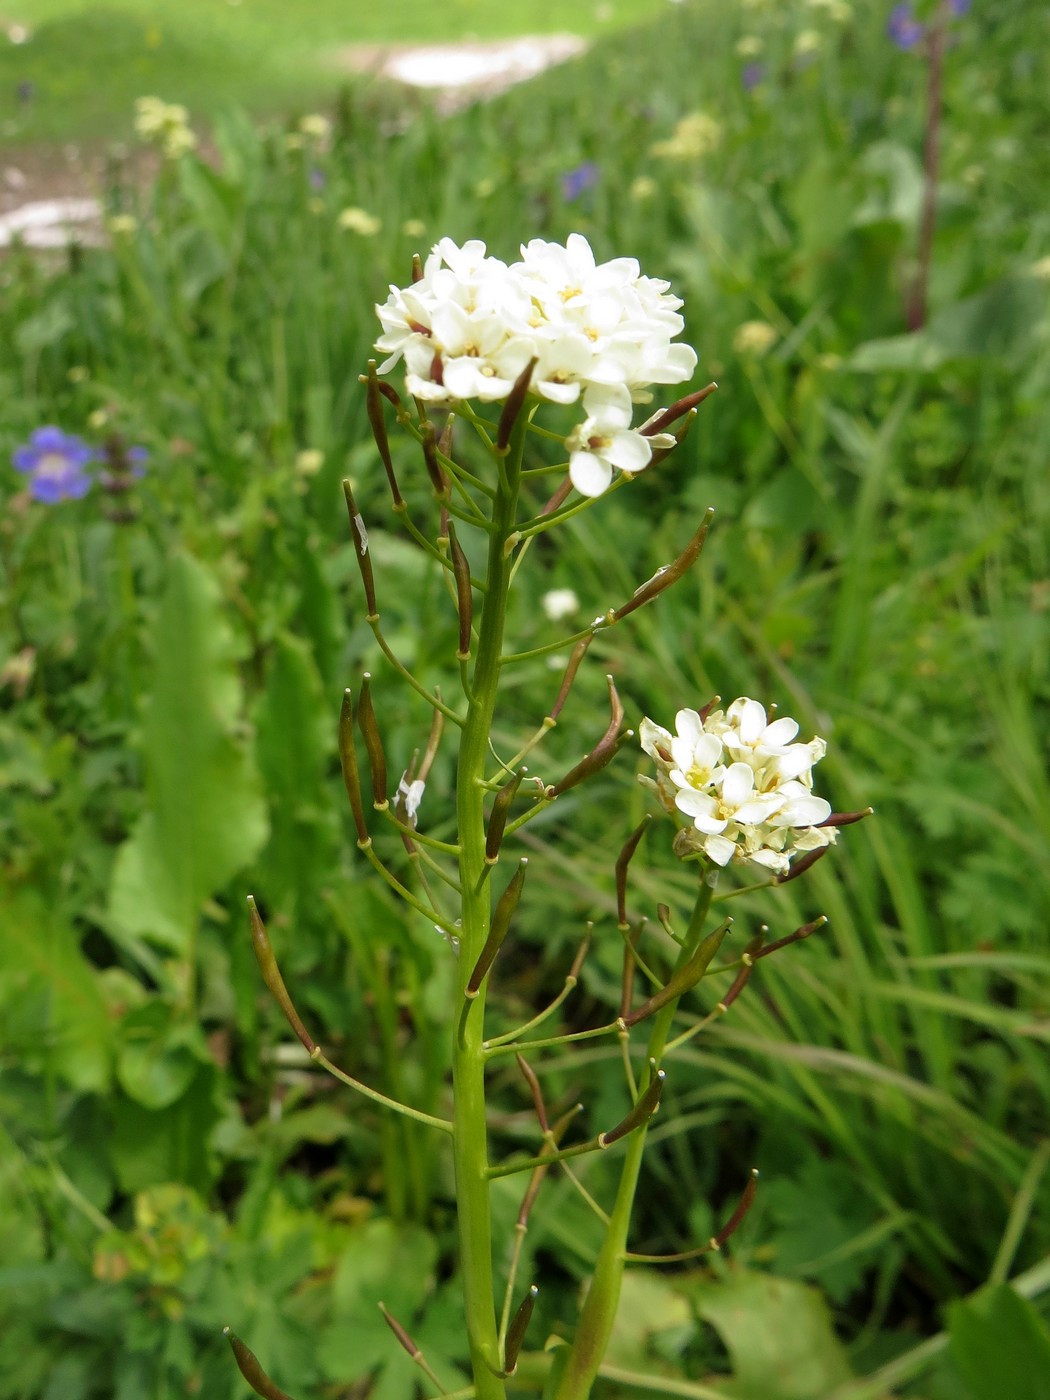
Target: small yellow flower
294	141
413	228
754	338
98	419
316	206
1041	269
807	43
76	374
360	221
165	125
643	188
484	188
309	462
315	126
750	46
123	225
696	135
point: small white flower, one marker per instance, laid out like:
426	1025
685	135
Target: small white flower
359	221
604	441
560	603
409	795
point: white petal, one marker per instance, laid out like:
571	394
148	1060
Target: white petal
737	785
589	474
630	452
720	849
781	731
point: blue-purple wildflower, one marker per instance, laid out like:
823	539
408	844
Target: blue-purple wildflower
903	28
56	464
576	182
751	75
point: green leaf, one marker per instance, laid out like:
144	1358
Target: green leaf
383	1263
159	1056
52	991
778	1334
149	1147
1000	1346
205	817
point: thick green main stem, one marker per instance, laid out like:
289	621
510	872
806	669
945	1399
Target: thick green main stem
470	1139
599	1309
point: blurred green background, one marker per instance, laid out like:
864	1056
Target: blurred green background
172	658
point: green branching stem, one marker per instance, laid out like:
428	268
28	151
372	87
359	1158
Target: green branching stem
470	1143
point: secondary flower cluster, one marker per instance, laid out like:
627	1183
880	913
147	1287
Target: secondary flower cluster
744	783
601	334
164	124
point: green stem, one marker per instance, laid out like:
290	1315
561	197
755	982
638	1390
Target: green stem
599	1309
470	1139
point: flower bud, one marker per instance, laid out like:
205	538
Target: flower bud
513	406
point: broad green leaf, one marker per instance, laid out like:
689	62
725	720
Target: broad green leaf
778	1334
1000	1346
650	1307
173	1145
205	817
383	1263
159	1055
51	989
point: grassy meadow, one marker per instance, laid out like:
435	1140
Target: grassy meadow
175	643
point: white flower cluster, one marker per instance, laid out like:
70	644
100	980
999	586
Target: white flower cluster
601	334
744	783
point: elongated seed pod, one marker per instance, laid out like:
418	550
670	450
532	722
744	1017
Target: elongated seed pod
643	1110
623	860
517	1329
348	760
670	573
501	917
743	1206
369	726
271	975
364	559
529	1075
660	422
435	471
514	404
686	977
499	814
464	592
253	1373
401	1334
602	752
376	421
796	937
575	657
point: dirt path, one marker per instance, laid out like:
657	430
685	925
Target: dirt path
47	194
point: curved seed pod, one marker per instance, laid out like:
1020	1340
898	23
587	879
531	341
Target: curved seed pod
648	1103
376	421
464	592
601	754
800	866
737	1218
401	1334
445	440
348	760
847	818
796	937
513	406
417	268
366	719
670	573
435	471
687	976
499	814
623	860
529	1075
660	422
517	1329
253	1373
364	559
501	917
271	975
575	657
